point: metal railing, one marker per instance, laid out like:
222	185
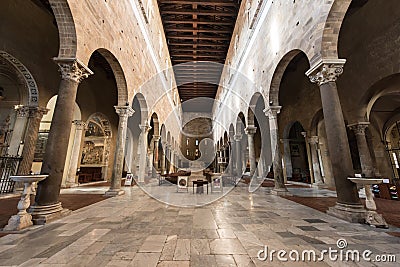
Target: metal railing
8	166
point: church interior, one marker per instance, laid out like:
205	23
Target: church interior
199	133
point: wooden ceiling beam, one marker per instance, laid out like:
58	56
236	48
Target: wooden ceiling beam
200	2
198	12
198	21
196	37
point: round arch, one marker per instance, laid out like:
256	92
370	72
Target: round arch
24	74
273	97
66	28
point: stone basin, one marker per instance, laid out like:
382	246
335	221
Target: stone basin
28	178
365	181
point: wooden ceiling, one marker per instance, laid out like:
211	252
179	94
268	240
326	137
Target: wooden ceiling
198	31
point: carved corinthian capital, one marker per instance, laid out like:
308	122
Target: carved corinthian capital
72	69
326	70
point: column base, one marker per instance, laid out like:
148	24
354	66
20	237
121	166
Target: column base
71	185
114	192
281	192
18	222
320	185
44	214
352	213
375	219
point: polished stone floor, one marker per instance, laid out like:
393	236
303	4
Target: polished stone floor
137	230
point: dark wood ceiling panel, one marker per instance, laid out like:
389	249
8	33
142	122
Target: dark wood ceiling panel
198	31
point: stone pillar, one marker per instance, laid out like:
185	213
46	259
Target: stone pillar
250	131
76	149
124	112
309	161
238	150
313	142
18	132
156	139
287	157
35	115
348	205
372	218
145	128
280	187
363	150
163	155
47	205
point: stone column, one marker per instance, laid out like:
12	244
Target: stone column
156	139
287	157
124	112
145	128
76	149
18	132
372	218
280	187
47	203
238	150
163	155
363	150
313	142
309	161
348	205
35	115
250	131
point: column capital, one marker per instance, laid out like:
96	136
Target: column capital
145	128
359	127
72	69
250	130
156	138
80	125
237	137
326	70
313	140
272	111
30	111
124	111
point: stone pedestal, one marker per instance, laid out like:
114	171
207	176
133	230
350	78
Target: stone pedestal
73	72
124	112
23	219
279	188
325	73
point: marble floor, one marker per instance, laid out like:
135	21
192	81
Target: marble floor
137	230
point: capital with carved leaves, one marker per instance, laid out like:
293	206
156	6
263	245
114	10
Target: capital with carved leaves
326	70
250	130
359	127
72	69
272	111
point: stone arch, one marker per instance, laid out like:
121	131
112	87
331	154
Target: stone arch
273	97
66	28
156	124
143	107
231	131
163	133
32	92
240	123
333	23
118	74
318	116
